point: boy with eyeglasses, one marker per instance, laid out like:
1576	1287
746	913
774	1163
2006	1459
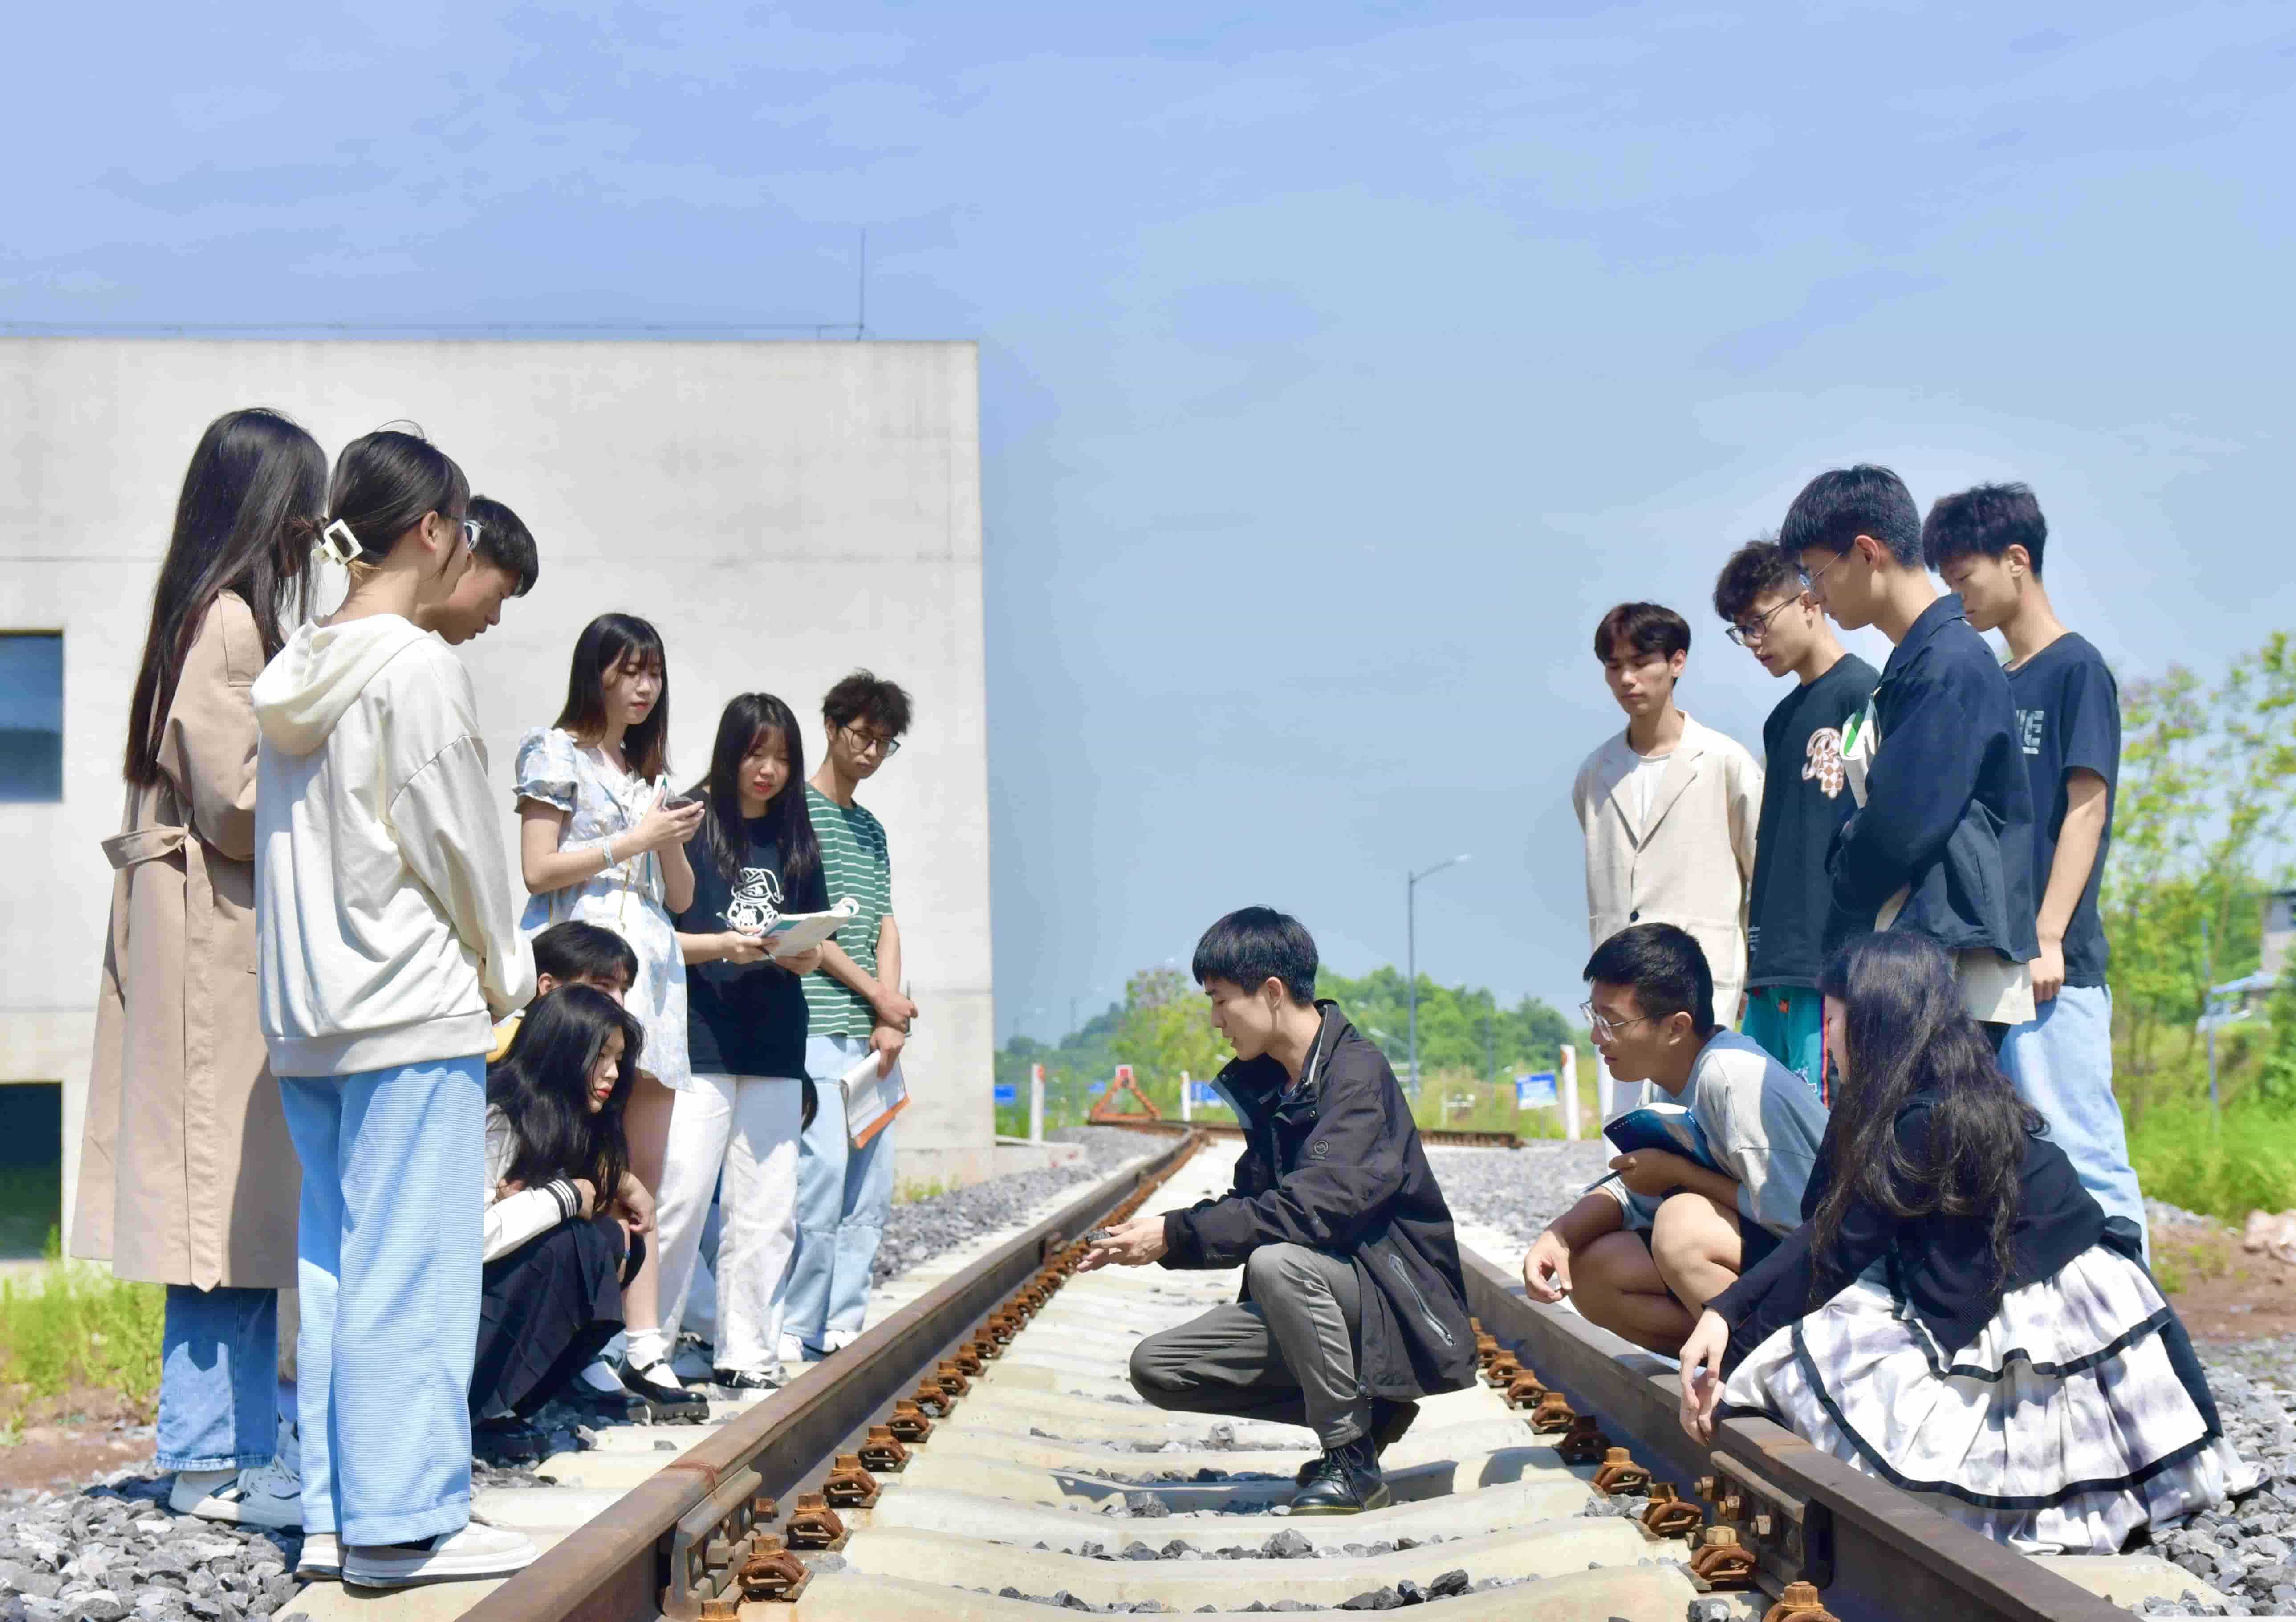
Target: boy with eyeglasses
1804	799
1644	1250
854	1007
1941	842
1986	544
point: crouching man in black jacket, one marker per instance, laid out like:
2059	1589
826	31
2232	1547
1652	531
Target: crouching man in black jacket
1352	1306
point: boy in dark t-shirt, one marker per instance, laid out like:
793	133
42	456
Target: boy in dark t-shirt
1804	799
1986	544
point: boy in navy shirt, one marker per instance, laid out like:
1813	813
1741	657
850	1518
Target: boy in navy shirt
1986	544
1941	842
1805	799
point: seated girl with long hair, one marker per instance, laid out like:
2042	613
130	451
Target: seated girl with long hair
1955	1317
565	1216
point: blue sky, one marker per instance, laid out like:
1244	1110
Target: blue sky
1340	365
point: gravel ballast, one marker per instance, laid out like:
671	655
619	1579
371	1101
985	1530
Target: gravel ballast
922	1228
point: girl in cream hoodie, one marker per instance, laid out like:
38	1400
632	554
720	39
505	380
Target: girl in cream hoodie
389	944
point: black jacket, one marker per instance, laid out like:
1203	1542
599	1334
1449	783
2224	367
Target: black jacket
1335	1164
1948	809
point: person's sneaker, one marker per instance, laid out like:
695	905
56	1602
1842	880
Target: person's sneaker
656	1385
477	1551
792	1352
265	1495
746	1380
507	1440
321	1559
838	1340
1342	1481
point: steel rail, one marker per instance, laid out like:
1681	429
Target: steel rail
619	1567
1874	1551
1441	1136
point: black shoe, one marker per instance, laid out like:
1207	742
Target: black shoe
1342	1481
665	1401
746	1379
507	1440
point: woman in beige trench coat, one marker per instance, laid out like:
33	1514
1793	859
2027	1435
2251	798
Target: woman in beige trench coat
187	1177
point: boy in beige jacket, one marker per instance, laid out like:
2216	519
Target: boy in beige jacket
1668	808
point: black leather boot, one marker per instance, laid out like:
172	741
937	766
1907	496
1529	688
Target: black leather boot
1344	1481
1389	1421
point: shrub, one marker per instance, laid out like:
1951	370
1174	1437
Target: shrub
2249	1164
78	1327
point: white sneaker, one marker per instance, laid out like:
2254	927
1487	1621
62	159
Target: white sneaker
477	1551
792	1352
322	1560
838	1340
266	1495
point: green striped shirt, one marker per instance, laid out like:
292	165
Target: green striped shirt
854	862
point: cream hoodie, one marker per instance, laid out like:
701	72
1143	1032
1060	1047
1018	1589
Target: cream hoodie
387	932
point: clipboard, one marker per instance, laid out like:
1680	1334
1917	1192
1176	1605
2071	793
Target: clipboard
871	1100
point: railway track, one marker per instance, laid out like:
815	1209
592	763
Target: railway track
977	1454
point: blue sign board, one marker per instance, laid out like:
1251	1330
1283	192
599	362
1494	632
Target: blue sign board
1098	1088
1007	1092
1202	1094
1534	1091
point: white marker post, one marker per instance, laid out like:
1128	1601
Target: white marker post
1568	1065
1036	1103
1186	1101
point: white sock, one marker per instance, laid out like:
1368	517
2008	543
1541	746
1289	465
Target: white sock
647	1347
601	1379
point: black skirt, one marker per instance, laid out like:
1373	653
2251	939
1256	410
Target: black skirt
546	1309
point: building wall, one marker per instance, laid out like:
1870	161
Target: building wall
783	512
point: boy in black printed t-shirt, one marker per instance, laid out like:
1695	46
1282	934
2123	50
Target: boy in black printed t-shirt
1986	544
1805	799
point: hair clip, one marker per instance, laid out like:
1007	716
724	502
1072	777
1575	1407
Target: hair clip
337	541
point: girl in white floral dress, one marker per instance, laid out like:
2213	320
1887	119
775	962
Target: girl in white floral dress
601	839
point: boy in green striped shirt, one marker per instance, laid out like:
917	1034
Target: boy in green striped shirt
854	1005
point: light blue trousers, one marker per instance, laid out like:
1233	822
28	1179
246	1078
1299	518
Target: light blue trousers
219	1379
842	1197
394	1205
2061	1062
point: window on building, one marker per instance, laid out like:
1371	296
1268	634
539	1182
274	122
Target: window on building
31	716
32	1167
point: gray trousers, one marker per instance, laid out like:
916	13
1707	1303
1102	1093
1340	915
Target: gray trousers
1287	1355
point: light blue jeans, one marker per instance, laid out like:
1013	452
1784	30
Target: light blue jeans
2061	1062
842	1196
394	1205
219	1379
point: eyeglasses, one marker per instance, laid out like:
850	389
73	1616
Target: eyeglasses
1747	636
866	741
1809	581
1601	1026
470	534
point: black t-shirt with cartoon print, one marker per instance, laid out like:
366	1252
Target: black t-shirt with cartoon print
1805	799
745	1019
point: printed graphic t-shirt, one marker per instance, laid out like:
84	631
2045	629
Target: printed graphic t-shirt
2069	720
1805	798
854	862
745	1019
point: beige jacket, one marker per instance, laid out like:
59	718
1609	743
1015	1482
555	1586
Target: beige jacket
187	1176
1690	865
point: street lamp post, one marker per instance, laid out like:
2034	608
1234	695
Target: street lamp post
1411	953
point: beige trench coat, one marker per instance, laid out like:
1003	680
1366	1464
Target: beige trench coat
187	1176
1691	865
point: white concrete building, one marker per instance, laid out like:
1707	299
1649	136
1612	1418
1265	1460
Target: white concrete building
783	512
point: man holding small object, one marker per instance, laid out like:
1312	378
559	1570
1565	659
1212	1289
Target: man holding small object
1353	1306
1645	1248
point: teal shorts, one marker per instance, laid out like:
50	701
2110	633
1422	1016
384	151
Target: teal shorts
1789	1022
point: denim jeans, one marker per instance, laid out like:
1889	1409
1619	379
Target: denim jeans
219	1379
390	1260
2061	1062
842	1196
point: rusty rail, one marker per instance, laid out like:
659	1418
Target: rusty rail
1873	1551
674	1542
1442	1136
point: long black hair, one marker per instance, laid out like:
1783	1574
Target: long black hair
246	520
747	718
606	644
389	481
1909	1036
543	1086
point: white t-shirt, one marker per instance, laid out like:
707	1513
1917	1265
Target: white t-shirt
1643	782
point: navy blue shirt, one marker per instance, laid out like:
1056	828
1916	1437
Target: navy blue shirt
1948	810
2068	721
745	1019
1805	799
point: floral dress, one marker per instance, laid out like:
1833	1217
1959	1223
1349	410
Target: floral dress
601	800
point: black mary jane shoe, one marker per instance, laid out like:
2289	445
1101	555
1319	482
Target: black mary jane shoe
667	1402
1342	1481
507	1440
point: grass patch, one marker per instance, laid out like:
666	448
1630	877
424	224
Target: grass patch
70	1327
2248	1164
908	1190
31	1204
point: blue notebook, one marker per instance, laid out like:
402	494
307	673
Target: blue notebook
1668	1127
